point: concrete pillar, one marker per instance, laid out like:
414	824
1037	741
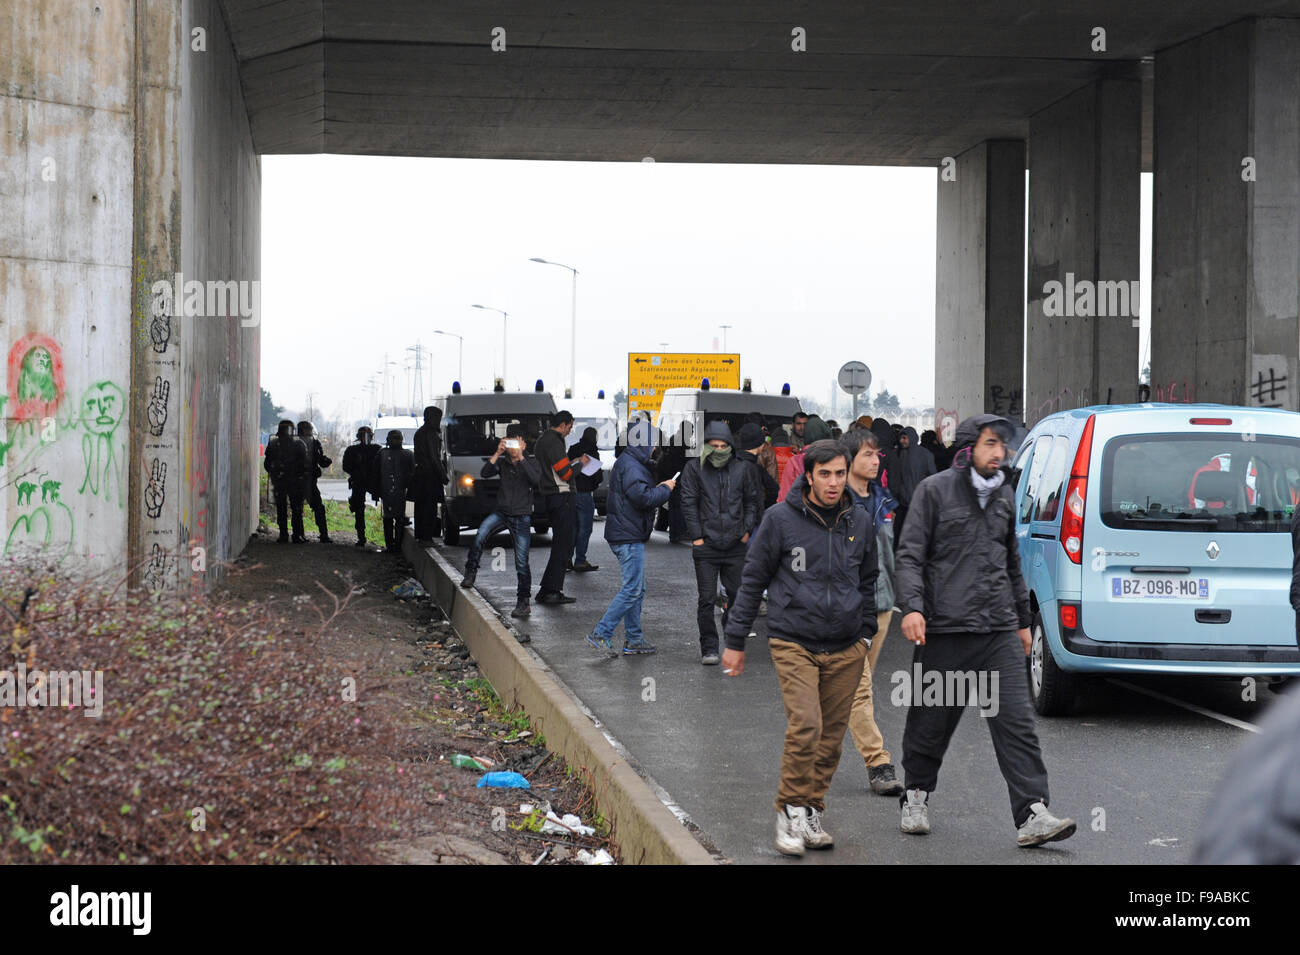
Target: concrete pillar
979	289
1226	249
1084	223
129	432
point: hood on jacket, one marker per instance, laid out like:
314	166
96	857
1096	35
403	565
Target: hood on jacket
750	436
912	440
642	438
719	430
815	429
968	433
884	434
584	445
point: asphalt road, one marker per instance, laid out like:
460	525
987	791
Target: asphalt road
1135	771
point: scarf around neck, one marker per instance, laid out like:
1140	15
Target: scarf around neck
984	487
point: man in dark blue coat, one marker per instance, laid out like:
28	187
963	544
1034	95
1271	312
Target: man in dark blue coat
629	519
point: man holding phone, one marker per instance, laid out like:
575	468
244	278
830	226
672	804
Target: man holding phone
514	509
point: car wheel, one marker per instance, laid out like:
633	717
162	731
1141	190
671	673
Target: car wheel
450	528
1050	688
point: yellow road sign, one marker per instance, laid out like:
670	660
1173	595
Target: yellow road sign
650	374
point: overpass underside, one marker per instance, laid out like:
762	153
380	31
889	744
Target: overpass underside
132	131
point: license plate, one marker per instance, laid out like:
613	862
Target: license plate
1160	587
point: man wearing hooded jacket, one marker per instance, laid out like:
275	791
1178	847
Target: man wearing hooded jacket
966	609
912	464
722	503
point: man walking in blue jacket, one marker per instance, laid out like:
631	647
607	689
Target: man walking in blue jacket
815	553
629	519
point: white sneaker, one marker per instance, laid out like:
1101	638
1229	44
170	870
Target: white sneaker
814	836
916	816
789	829
1042	826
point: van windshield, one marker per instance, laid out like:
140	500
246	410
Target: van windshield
1221	482
480	434
735	420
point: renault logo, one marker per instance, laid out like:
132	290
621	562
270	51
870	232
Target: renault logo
1213	550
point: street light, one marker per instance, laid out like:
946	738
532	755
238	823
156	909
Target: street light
724	336
505	319
460	355
573	325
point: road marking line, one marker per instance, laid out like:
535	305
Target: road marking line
1230	720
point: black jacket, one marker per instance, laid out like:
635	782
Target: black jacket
361	465
287	463
318	461
553	456
720	505
515	497
821	581
957	564
912	465
429	476
765	481
583	483
396	467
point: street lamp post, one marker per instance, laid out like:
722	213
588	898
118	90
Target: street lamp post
505	321
724	337
573	326
460	354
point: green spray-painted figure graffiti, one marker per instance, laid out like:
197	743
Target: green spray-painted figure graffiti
102	407
49	491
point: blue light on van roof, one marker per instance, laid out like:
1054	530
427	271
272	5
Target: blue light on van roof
455	387
539	386
601	394
704	385
785	389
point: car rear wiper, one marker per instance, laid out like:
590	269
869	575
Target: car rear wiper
1204	521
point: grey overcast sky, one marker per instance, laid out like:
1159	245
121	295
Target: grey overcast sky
810	265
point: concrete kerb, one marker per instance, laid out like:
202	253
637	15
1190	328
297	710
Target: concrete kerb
644	828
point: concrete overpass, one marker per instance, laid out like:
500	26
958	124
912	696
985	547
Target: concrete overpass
132	131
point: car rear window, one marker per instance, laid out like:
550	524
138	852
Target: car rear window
1201	482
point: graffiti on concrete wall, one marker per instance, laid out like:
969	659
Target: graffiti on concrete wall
102	408
43	436
1005	401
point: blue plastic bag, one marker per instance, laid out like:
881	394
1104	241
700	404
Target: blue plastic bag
503	781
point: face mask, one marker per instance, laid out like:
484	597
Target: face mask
717	457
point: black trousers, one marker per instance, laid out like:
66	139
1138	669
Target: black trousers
357	505
712	563
312	500
428	494
394	521
287	499
562	514
1015	740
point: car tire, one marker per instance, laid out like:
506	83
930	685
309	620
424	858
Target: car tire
1051	689
450	528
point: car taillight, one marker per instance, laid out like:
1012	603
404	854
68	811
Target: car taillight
1076	492
1069	616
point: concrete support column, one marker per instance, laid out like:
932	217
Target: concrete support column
1226	249
1084	230
979	290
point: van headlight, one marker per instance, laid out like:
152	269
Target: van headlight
465	485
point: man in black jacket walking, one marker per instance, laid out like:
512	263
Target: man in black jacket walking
287	461
557	497
815	553
722	504
396	466
316	464
361	465
965	606
429	477
514	509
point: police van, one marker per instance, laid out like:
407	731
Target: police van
685	412
473	423
407	424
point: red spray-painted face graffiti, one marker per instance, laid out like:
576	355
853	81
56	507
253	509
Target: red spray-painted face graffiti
35	377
